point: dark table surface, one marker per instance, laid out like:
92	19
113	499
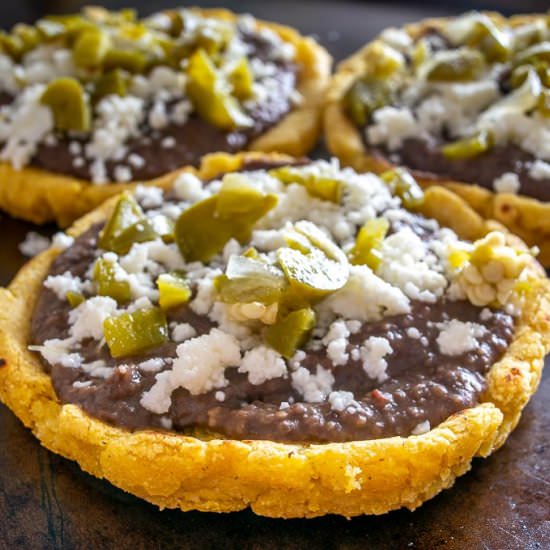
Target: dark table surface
48	502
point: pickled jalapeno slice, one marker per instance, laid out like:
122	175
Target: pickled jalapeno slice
126	213
250	280
201	231
106	276
174	290
469	147
368	243
68	101
290	332
365	96
321	187
135	332
403	185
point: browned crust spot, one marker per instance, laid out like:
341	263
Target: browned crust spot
274	479
527	217
41	196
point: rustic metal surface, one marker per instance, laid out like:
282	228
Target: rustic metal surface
48	502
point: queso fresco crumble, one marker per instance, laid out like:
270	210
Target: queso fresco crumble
293	303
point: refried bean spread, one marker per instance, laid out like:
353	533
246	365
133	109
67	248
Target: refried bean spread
387	338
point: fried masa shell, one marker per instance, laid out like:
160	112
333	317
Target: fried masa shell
42	196
201	472
527	217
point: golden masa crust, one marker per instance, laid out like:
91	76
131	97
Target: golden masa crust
42	196
527	217
274	479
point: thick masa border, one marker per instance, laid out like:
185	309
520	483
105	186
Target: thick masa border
527	217
274	479
41	196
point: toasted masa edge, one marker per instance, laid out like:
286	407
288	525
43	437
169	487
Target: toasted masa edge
274	479
42	196
527	217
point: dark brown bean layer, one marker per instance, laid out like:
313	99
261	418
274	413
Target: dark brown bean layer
423	384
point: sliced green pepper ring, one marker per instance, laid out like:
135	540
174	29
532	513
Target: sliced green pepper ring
69	103
316	271
249	280
126	213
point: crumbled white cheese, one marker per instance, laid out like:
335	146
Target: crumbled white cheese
149	196
152	365
373	351
413	332
199	367
187	187
407	264
421	428
182	332
341	400
206	293
86	320
268	239
366	297
336	341
540	170
485	314
29	122
391	126
507	183
458	337
168	142
314	388
82	384
33	244
262	364
136	161
62	240
67	282
57	352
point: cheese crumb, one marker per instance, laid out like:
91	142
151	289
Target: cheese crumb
187	187
262	364
421	428
199	367
314	388
182	332
336	341
61	284
341	400
458	337
151	365
391	126
373	351
149	196
507	183
366	297
33	244
540	170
